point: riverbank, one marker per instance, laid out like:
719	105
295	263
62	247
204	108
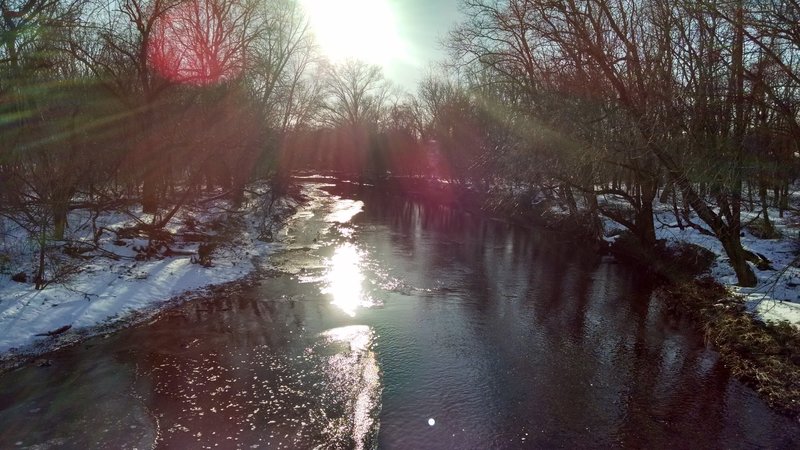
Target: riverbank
775	298
755	330
207	249
763	355
114	293
685	249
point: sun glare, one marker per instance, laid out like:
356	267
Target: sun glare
356	29
344	279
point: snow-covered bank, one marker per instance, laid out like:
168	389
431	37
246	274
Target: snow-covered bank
109	284
777	295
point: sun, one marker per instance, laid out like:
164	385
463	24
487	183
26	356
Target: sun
356	29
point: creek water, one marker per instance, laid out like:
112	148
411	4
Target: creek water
394	323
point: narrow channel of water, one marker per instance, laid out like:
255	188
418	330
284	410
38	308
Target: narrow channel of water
393	323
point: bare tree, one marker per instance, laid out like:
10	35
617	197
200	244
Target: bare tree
355	95
204	42
283	56
118	41
652	86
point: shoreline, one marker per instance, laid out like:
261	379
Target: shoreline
36	351
761	354
117	295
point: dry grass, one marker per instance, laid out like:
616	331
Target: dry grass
763	356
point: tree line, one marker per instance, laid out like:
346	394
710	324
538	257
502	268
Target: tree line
106	104
608	106
625	102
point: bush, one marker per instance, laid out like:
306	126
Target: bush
690	259
204	252
759	229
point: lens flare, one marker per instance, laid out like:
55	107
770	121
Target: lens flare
196	42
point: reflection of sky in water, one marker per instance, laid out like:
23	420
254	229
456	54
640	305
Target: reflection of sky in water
358	337
344	279
344	210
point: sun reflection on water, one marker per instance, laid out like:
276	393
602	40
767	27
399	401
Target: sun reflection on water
344	279
353	371
344	210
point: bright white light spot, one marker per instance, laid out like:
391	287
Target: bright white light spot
358	336
356	29
344	210
344	279
431	422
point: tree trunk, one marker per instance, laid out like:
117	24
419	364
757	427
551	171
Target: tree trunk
149	194
783	204
676	211
738	259
237	193
762	193
593	215
646	230
566	191
38	280
60	210
666	193
729	235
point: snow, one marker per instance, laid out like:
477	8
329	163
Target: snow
776	297
106	290
778	310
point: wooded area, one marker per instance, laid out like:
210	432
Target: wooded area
601	106
627	101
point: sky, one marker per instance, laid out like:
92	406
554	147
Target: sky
423	24
402	36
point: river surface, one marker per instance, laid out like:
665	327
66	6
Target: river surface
393	323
